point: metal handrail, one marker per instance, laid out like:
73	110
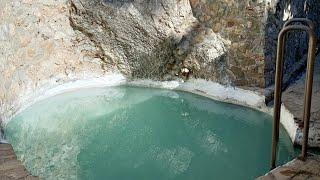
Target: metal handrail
308	86
301	20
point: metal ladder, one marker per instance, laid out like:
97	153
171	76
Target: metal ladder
308	27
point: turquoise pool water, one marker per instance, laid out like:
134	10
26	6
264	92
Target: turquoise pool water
138	133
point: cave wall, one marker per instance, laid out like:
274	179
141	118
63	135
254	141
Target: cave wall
296	47
44	43
136	36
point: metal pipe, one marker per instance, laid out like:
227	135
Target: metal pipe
278	86
277	97
301	20
305	21
308	91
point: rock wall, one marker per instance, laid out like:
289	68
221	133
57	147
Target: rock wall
230	42
135	36
44	43
39	48
296	49
253	28
151	38
178	39
242	23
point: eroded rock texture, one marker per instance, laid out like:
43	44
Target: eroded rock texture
136	36
49	42
253	28
165	39
240	22
150	38
230	42
39	49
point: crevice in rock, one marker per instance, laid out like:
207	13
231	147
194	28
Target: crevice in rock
100	54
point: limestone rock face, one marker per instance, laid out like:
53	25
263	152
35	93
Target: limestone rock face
44	43
206	59
138	37
157	39
39	48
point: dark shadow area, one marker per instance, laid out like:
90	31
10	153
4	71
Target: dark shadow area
296	44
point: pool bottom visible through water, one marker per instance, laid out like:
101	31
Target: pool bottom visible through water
140	133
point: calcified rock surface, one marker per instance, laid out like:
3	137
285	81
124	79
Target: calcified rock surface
149	39
39	48
136	36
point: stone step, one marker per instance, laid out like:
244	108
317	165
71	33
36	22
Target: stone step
296	170
10	167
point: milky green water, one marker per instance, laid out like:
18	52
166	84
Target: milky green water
135	133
